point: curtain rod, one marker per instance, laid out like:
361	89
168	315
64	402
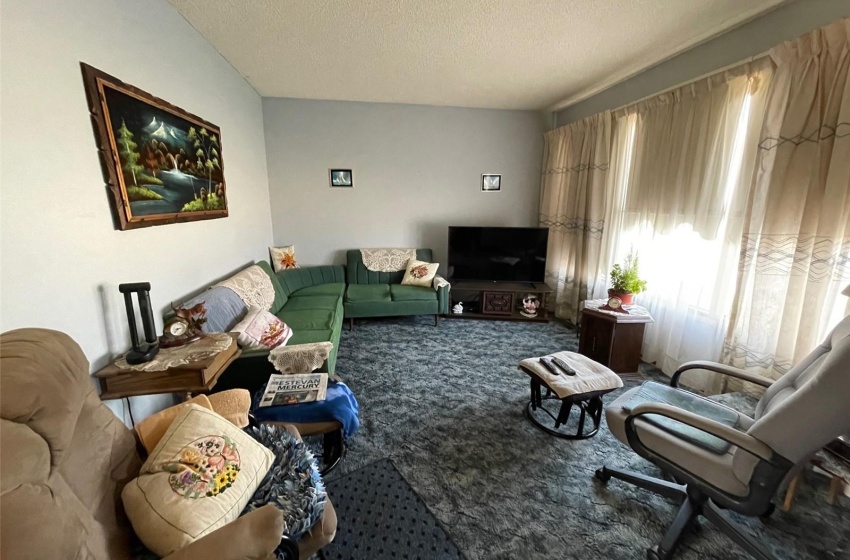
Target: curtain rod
692	80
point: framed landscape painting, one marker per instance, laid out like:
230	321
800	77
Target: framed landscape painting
162	165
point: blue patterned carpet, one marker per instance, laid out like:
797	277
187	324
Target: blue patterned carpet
446	405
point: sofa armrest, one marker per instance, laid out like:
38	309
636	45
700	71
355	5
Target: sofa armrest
443	294
253	536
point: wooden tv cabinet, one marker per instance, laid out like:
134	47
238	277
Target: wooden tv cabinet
500	300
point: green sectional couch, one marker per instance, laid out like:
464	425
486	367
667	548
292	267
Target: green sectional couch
310	301
381	294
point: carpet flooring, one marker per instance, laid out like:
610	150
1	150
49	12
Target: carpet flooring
445	404
384	519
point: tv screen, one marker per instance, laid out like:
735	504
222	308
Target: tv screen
499	254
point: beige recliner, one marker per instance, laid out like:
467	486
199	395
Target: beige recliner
65	457
724	459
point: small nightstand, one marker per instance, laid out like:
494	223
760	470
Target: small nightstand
613	339
197	375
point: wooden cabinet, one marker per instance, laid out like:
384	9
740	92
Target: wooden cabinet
497	303
613	341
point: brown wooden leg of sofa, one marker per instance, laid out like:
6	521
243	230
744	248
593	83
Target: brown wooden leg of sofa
436	320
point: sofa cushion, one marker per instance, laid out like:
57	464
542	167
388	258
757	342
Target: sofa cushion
334	289
306	336
403	292
279	294
199	478
224	308
367	292
311	302
309	319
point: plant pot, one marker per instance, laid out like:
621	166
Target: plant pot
627	299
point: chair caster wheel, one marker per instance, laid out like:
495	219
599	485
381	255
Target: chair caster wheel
602	476
652	553
768	512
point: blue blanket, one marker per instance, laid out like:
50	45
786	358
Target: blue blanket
340	404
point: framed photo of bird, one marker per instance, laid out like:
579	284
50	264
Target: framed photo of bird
161	164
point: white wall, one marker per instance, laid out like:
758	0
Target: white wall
782	24
417	170
60	258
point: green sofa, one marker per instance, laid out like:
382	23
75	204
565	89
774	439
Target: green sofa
310	301
381	294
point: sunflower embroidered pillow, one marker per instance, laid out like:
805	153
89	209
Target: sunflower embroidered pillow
283	257
419	273
199	477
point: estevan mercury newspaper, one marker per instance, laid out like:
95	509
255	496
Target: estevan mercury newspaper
295	389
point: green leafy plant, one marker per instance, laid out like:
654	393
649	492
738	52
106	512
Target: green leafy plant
208	202
625	279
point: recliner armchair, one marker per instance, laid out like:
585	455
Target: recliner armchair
722	459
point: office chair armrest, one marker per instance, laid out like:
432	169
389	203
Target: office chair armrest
736	437
722	369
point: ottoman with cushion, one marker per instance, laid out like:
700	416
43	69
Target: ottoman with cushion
584	389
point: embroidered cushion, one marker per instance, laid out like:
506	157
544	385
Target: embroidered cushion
199	477
283	257
261	329
419	273
151	429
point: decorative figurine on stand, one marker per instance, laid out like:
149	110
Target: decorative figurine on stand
458	308
530	303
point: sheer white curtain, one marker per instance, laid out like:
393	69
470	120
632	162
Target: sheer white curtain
681	164
796	254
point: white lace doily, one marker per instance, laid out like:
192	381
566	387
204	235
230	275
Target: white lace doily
207	347
300	358
386	260
253	286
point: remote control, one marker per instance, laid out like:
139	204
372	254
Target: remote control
547	363
564	366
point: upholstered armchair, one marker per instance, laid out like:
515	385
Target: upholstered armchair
722	459
66	457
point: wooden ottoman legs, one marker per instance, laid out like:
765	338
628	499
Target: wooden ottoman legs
589	404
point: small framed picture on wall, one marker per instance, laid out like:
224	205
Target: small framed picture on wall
491	183
341	178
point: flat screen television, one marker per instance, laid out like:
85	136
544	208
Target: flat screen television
498	254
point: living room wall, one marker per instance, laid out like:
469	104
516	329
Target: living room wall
61	260
782	24
417	170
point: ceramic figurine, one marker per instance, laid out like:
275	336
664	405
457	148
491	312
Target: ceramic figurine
458	308
530	303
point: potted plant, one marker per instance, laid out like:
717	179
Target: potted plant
625	280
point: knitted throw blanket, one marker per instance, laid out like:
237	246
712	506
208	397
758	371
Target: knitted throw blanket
300	358
386	260
253	286
293	483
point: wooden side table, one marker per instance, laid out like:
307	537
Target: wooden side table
195	376
613	339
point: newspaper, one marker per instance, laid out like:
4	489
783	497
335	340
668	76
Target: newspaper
295	389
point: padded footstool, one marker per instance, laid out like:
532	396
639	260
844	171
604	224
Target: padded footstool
584	389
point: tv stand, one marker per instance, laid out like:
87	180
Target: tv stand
499	300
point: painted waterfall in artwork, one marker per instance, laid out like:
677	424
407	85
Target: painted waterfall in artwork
168	164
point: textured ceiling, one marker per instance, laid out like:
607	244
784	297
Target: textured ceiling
508	54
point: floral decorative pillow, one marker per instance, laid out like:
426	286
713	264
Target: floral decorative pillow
200	476
283	258
261	329
419	273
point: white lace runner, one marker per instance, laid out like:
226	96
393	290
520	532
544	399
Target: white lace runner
205	348
253	286
300	358
386	260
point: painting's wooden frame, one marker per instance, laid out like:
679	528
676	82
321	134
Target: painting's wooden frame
95	80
